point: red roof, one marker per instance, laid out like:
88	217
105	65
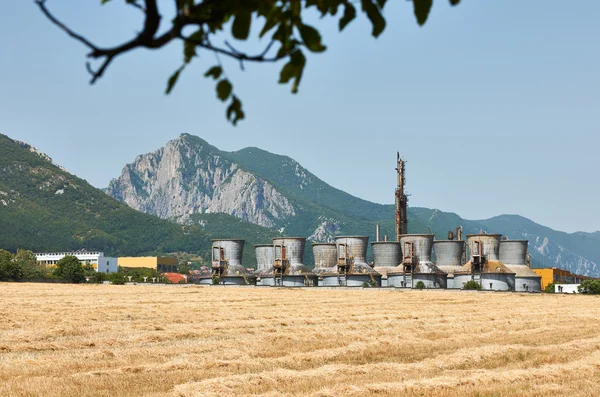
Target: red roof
175	278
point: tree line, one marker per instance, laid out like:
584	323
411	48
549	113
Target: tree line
23	266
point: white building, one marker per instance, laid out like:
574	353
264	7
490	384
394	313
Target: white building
566	288
97	260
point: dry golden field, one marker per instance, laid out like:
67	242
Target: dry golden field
65	340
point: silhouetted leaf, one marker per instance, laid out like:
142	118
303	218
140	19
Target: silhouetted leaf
374	16
273	19
311	38
454	2
214	72
241	25
349	15
173	80
224	89
189	45
293	69
234	111
189	51
422	8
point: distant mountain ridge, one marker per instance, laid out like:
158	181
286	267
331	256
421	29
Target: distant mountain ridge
189	178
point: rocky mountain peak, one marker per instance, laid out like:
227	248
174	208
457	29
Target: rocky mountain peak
188	176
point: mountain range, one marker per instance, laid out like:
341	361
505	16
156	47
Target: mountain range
188	178
179	197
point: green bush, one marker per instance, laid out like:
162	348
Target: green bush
549	288
216	280
97	277
589	287
9	269
116	278
27	261
420	285
472	285
70	269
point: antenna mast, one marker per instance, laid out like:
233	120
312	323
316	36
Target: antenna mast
401	200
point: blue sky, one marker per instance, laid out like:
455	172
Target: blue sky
493	104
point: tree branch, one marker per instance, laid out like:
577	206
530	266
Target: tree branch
146	39
233	53
42	5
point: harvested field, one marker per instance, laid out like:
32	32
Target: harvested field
65	340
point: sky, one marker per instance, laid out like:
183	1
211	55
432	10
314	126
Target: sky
493	104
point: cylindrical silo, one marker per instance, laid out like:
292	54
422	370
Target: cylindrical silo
229	250
227	264
265	256
416	252
355	247
325	255
288	253
421	244
513	253
448	254
294	248
387	256
492	274
490	242
354	250
448	257
387	253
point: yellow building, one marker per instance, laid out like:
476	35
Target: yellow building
555	275
159	263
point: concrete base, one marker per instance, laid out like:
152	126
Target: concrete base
236	280
352	280
229	280
489	281
431	280
289	281
450	281
528	284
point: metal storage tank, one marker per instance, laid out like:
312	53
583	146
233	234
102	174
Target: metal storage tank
491	245
493	275
387	256
287	268
386	253
227	264
325	255
513	253
416	252
264	256
448	257
351	256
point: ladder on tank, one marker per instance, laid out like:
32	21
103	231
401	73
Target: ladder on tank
344	264
342	279
344	268
219	263
478	261
409	263
278	274
408	280
281	264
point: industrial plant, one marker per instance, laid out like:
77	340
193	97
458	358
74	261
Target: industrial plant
490	261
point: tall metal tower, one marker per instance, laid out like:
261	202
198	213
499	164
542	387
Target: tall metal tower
401	200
